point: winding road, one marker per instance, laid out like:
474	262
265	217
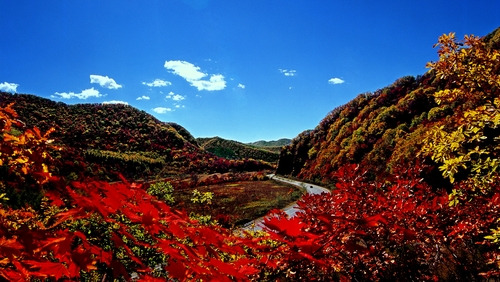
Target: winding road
291	209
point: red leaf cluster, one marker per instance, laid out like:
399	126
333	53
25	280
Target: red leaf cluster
401	228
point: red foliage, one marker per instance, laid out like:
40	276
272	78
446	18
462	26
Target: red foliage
364	230
194	251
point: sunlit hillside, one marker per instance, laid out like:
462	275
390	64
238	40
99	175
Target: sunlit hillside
103	140
235	150
414	172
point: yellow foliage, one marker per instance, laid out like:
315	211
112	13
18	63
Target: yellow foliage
469	141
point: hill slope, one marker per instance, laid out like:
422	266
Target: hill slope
105	138
385	129
274	146
234	150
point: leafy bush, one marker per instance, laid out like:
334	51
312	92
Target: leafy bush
163	191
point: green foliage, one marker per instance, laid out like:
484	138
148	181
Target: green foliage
202	197
237	151
278	143
437	113
494	237
163	191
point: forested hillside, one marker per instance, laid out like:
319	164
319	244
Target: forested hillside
101	139
375	130
415	172
234	150
389	128
274	146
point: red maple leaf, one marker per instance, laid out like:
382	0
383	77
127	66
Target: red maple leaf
48	269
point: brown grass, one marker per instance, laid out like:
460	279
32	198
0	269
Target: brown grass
235	203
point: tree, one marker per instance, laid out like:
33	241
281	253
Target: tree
467	145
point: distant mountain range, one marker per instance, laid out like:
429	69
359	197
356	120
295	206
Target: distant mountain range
235	150
272	145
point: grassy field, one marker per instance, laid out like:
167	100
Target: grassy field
235	203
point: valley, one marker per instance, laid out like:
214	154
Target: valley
236	203
101	192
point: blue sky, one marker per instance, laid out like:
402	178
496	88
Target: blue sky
241	70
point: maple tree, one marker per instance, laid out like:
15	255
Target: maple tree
366	230
24	153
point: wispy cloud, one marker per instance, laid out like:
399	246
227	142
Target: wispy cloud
242	86
104	81
175	97
157	83
9	87
194	76
115	102
286	72
143	97
87	93
162	110
335	80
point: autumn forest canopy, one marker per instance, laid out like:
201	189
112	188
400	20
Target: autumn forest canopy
86	190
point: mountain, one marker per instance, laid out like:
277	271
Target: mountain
274	146
101	139
235	150
389	129
371	129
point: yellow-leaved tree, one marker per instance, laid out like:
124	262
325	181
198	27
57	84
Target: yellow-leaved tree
467	144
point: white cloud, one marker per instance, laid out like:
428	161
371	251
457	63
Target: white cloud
161	110
9	87
115	102
335	80
157	83
185	70
143	97
288	72
87	93
242	86
104	81
175	97
216	82
194	76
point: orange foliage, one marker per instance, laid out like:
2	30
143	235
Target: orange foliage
24	153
